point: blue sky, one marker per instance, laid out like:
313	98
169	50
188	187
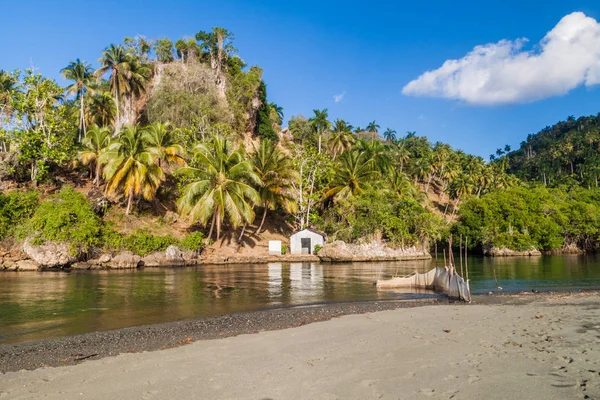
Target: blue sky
367	51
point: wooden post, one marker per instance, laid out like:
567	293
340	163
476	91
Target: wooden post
466	259
461	256
444	250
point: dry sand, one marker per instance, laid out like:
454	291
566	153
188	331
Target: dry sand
546	349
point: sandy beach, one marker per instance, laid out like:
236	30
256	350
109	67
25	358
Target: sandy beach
527	347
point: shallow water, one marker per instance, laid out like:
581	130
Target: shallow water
37	305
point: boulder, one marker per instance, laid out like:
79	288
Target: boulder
504	252
27	265
50	254
173	253
125	260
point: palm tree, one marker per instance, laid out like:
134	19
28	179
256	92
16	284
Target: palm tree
278	111
161	137
341	138
389	135
131	167
277	176
373	128
222	186
95	143
320	124
115	61
82	74
138	76
101	110
354	173
376	151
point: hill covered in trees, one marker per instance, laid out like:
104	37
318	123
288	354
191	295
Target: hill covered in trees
567	153
183	135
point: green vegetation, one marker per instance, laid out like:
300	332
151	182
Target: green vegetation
15	209
522	218
185	125
65	217
565	153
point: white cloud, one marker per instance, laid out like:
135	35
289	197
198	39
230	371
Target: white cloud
502	73
339	97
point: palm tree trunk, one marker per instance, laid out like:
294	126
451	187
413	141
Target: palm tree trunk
242	234
319	143
129	201
212	225
218	224
263	219
82	118
97	179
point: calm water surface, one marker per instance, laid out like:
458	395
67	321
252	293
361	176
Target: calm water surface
40	305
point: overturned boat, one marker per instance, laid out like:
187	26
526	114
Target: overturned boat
441	279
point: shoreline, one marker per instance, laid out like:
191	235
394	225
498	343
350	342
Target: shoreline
70	350
518	346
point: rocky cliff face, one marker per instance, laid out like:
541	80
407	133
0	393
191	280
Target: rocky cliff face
339	251
498	252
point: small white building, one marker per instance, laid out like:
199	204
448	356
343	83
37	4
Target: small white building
304	241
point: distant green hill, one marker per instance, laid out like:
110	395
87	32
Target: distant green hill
565	153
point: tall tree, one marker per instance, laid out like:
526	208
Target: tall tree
131	167
277	175
354	173
341	138
95	144
221	186
115	62
219	46
82	75
389	135
320	124
101	110
373	128
164	50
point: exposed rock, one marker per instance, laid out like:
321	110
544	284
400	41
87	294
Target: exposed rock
504	252
125	260
27	265
173	253
98	201
170	217
104	258
340	251
50	254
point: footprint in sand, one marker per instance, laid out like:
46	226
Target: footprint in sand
427	392
473	379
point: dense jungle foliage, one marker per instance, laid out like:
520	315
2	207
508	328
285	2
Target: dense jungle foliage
188	127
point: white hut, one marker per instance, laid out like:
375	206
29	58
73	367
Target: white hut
304	241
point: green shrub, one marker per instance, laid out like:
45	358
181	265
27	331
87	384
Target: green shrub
193	241
285	249
15	209
143	243
66	217
318	248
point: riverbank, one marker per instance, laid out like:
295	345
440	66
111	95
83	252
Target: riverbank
519	346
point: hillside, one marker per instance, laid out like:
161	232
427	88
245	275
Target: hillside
567	153
178	145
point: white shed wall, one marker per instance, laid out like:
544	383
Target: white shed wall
296	243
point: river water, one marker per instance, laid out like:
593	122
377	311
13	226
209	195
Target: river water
37	305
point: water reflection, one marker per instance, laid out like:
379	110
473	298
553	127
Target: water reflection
38	305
